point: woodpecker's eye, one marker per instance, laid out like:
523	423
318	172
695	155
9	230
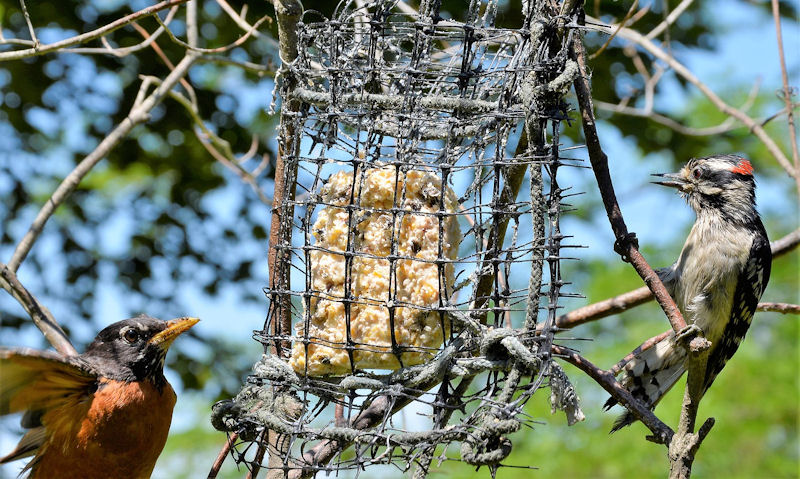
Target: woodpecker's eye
697	173
130	335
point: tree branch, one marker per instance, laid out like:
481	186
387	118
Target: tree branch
783	308
626	244
639	296
39	49
138	114
662	433
685	444
684	72
787	93
223	454
42	317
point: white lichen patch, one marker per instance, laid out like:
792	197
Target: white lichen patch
415	290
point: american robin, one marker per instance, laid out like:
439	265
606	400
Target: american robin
103	414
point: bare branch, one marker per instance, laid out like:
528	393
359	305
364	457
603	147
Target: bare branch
94	34
30	25
625	19
684	445
184	83
626	243
138	114
40	315
786	244
238	19
604	308
121	52
783	308
223	454
639	296
191	23
226	48
218	147
684	72
787	93
260	70
661	432
673	15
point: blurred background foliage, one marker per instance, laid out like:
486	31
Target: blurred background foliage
160	227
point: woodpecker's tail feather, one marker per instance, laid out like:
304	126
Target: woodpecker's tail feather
650	375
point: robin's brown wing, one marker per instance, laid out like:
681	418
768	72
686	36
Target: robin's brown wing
34	382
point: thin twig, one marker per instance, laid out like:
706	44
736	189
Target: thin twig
661	432
184	82
94	34
783	308
260	70
223	454
124	51
239	20
626	243
639	296
216	146
30	24
138	114
680	69
40	315
225	48
787	93
614	34
673	15
724	127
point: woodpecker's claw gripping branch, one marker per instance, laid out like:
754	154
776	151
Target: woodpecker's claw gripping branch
625	243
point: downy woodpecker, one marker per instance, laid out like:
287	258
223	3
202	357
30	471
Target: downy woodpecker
718	279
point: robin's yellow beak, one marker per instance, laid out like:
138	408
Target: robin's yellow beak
175	327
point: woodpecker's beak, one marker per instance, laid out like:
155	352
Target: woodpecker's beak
674	180
174	329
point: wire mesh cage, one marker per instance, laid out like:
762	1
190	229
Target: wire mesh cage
417	259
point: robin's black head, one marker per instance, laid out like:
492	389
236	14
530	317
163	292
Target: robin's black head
134	349
722	184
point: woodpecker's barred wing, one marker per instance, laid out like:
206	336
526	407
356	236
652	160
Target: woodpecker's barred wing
750	286
35	382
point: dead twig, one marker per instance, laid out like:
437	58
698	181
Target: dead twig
88	36
223	454
626	244
680	69
787	92
684	445
138	114
662	433
639	296
783	308
41	316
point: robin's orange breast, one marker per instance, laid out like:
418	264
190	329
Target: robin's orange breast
118	431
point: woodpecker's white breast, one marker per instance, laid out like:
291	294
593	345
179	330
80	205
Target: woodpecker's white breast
712	259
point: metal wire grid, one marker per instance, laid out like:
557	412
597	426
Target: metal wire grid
380	90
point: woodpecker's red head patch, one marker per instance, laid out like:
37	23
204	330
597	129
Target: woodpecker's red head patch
743	167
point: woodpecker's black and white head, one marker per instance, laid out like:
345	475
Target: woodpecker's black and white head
717	185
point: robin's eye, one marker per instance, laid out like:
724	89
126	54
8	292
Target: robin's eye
130	335
697	173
